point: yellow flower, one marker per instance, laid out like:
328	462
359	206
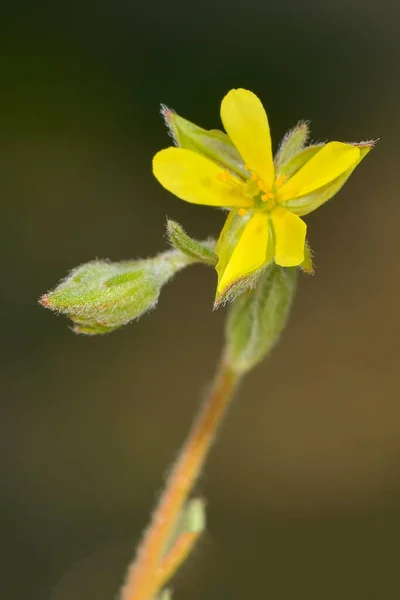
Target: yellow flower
266	200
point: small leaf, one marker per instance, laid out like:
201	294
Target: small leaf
257	318
195	517
199	251
165	595
192	520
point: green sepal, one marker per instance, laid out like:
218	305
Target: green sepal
298	160
213	144
198	251
307	264
257	317
292	143
101	296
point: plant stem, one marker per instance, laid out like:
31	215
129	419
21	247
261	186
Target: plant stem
142	582
176	556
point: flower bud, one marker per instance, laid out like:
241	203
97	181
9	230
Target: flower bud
257	317
101	296
213	144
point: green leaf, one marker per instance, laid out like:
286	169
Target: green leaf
257	318
165	595
192	520
199	251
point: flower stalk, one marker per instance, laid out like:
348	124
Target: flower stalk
143	579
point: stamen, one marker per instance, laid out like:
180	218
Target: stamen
267	196
280	180
226	177
242	212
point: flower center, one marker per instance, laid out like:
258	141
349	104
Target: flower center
255	188
262	195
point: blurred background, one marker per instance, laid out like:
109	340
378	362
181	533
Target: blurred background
303	485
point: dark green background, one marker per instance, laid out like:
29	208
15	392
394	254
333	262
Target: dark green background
303	486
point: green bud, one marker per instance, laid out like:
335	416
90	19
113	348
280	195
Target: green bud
101	296
199	251
213	144
257	317
292	143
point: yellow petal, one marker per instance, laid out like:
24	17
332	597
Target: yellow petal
310	202
194	179
290	235
329	163
229	237
250	252
246	123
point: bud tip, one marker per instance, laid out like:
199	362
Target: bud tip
166	113
44	301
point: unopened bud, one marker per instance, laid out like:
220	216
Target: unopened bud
101	296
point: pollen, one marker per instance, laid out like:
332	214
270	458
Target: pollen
225	176
242	212
280	181
267	196
258	189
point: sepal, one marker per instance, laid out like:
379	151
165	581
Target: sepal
213	144
307	264
292	143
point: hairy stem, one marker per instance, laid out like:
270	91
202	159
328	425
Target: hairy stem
143	579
